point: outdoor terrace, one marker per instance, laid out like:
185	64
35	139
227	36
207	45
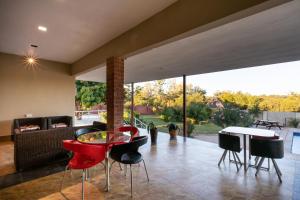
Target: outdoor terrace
177	170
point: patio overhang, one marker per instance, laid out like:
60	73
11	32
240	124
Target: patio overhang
267	37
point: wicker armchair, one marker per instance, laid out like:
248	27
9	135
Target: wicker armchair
68	120
36	148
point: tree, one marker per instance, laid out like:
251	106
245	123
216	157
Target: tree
198	112
90	93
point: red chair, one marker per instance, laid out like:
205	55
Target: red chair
133	131
84	156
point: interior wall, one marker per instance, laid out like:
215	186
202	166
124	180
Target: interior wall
45	89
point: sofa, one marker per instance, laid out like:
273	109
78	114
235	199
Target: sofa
39	147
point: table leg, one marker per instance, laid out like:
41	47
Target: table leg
245	153
107	171
249	148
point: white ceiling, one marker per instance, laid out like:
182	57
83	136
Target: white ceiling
75	27
269	37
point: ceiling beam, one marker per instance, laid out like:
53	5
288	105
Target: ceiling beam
181	19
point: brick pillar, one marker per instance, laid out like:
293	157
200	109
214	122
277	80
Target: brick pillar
115	91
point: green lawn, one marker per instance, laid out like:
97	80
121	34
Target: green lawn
199	129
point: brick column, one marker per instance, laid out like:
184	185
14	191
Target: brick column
115	91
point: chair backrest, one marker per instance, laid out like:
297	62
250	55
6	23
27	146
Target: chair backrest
268	148
95	152
118	150
82	131
100	125
133	131
229	142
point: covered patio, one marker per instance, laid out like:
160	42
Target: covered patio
207	37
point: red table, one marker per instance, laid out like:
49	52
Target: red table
106	138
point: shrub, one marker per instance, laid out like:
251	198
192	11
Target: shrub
198	112
173	114
294	123
232	116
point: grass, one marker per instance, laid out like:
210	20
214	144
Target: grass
209	128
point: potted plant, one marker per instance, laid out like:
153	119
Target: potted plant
173	128
153	132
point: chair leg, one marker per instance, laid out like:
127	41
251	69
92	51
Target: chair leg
259	165
237	156
82	184
111	165
277	167
225	155
131	179
256	160
61	183
146	170
103	164
277	170
125	170
237	167
87	174
222	157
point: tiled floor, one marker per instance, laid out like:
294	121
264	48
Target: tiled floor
6	158
177	170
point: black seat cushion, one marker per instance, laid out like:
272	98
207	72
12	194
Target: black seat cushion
131	158
229	142
267	148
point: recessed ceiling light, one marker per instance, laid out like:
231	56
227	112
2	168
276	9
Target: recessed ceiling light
42	28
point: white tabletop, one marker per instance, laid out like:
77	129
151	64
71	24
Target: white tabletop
249	131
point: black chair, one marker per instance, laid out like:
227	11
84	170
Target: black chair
82	131
267	148
128	154
100	125
256	159
232	144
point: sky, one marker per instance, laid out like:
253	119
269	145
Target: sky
278	79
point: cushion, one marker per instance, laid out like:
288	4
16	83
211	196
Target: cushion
29	128
59	125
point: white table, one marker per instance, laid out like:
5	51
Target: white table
250	132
